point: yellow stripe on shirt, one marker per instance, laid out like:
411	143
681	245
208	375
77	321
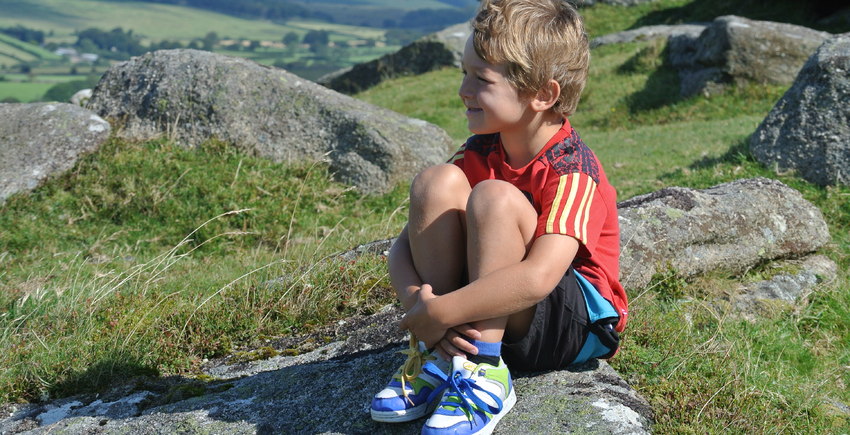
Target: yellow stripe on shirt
565	213
550	222
589	196
577	223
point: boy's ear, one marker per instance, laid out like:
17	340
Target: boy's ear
546	97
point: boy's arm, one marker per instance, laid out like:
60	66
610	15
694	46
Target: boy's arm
501	293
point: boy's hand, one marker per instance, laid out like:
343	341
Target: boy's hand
456	343
420	320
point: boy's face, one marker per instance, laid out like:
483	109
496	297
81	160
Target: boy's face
493	105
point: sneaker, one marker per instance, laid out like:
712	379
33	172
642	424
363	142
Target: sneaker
474	399
406	396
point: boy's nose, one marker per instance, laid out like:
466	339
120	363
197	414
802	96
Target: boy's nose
464	91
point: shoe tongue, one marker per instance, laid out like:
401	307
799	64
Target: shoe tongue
463	365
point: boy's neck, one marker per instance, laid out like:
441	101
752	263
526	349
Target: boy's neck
523	144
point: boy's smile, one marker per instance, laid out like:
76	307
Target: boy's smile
493	104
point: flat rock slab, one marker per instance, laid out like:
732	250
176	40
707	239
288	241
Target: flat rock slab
790	287
329	390
731	226
649	32
193	96
40	140
808	130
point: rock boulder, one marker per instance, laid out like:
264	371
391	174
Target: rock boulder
731	226
788	288
328	390
808	130
39	140
192	96
690	31
438	50
734	49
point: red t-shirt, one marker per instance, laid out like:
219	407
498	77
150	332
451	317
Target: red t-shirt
567	187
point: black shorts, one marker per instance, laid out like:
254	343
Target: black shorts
561	333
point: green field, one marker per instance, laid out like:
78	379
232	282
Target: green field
152	23
24	92
149	20
148	258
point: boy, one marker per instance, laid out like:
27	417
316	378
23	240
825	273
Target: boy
510	254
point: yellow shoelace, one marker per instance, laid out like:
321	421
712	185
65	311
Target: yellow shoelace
412	366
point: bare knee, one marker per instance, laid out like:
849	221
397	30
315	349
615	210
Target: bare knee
496	196
444	183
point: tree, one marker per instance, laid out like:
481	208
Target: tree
317	37
209	41
290	38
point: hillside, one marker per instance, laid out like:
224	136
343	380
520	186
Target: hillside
147	259
28	71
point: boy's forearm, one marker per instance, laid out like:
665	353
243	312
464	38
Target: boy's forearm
403	276
504	292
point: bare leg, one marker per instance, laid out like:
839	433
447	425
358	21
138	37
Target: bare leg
436	226
501	224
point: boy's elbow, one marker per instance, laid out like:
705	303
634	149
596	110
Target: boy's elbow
542	283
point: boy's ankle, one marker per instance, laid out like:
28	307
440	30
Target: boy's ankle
488	352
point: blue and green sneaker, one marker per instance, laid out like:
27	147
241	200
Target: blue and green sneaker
474	399
405	398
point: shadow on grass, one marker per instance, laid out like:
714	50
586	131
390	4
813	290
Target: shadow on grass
102	375
662	85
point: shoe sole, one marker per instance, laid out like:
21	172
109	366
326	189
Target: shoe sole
507	405
399	416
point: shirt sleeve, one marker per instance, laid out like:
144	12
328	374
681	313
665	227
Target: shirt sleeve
571	206
457	157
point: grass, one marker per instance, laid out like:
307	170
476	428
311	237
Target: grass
147	258
182	248
24	92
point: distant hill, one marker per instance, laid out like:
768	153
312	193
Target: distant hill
353	31
13	51
409	14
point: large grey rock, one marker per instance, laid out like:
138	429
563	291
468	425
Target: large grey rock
40	140
734	49
429	53
328	390
691	31
808	130
731	226
193	96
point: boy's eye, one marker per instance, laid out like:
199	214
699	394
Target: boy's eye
482	79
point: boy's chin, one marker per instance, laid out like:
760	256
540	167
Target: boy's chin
477	129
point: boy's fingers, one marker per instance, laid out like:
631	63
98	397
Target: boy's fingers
466	330
460	342
426	290
445	347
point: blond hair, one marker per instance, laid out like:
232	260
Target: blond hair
538	41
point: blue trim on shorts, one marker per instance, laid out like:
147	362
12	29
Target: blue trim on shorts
597	308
